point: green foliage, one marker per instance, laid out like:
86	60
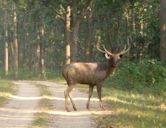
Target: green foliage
41	121
54	74
148	75
112	21
5	87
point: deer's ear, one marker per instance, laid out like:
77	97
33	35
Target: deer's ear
107	56
121	55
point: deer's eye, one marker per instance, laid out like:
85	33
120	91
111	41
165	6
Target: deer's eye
120	55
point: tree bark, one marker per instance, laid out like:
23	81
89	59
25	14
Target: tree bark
127	31
68	30
89	49
76	23
40	52
163	30
15	41
6	51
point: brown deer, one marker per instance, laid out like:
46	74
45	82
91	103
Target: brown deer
92	74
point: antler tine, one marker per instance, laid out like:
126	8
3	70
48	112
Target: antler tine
100	49
104	51
126	48
107	50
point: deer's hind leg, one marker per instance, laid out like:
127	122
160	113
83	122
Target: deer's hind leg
90	95
67	94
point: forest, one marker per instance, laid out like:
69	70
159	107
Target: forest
42	29
38	37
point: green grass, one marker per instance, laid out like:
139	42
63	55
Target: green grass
133	110
5	88
42	119
137	96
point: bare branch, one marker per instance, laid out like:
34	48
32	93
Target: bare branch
87	8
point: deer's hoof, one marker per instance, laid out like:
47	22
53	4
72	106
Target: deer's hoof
67	109
102	107
75	109
87	107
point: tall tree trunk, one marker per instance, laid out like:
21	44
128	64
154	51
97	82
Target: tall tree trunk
27	53
127	30
75	42
6	58
89	48
127	27
116	35
133	19
68	30
163	30
37	53
42	52
76	22
15	41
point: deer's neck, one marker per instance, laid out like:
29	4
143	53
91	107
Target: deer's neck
110	67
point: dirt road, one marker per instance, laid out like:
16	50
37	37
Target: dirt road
20	111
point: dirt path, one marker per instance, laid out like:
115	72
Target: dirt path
82	118
20	110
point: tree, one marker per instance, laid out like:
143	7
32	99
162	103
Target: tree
89	45
163	30
42	51
68	30
76	24
15	42
6	57
52	33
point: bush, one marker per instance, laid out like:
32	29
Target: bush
148	75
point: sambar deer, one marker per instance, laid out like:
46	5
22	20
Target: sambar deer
92	74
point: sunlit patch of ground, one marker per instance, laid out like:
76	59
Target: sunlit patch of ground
58	112
161	106
131	110
13	113
11	96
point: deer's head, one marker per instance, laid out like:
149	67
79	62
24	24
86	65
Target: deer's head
114	57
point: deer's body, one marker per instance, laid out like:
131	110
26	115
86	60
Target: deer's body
92	74
87	73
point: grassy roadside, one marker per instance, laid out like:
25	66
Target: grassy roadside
137	96
6	87
133	110
42	119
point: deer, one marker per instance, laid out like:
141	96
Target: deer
92	74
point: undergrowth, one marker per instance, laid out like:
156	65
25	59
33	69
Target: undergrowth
149	76
137	95
6	87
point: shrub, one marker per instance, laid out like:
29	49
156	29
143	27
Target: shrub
147	75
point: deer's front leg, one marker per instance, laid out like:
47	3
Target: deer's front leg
90	95
99	89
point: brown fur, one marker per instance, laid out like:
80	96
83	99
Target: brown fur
92	74
86	73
